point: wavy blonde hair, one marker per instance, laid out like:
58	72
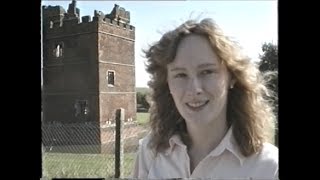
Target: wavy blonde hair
249	109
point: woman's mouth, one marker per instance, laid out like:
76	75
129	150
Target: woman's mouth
197	106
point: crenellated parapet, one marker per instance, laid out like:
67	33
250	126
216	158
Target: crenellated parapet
119	14
73	11
57	20
100	17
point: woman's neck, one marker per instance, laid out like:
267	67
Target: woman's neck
207	137
204	139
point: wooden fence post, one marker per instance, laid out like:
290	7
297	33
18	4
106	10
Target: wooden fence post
118	143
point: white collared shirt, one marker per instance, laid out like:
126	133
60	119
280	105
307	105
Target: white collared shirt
224	162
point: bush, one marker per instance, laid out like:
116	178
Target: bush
142	103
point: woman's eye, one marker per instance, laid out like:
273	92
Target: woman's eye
204	72
180	75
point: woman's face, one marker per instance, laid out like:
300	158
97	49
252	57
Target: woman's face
198	81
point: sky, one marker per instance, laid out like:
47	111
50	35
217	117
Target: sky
249	22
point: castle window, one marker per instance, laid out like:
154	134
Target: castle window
110	78
81	107
58	50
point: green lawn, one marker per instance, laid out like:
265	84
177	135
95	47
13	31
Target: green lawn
63	165
143	118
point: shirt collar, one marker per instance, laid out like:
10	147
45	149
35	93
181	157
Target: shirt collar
174	140
232	145
228	143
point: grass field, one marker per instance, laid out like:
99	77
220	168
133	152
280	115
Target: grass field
143	118
62	165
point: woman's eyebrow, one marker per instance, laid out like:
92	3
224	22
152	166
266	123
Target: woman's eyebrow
177	69
207	65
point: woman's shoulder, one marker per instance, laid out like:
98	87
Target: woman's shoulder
144	147
265	162
267	157
144	141
269	152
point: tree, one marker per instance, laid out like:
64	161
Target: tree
142	101
269	62
269	58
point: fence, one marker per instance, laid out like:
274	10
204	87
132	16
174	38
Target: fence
90	151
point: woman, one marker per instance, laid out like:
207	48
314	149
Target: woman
211	116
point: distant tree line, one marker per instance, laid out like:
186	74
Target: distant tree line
142	103
269	62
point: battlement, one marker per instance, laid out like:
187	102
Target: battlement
55	18
101	18
53	11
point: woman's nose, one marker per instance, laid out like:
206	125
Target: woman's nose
194	87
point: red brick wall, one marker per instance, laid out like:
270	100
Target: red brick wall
116	53
109	103
71	77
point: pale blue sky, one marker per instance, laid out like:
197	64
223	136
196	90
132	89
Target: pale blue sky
249	22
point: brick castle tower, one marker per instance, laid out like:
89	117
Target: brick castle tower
88	73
